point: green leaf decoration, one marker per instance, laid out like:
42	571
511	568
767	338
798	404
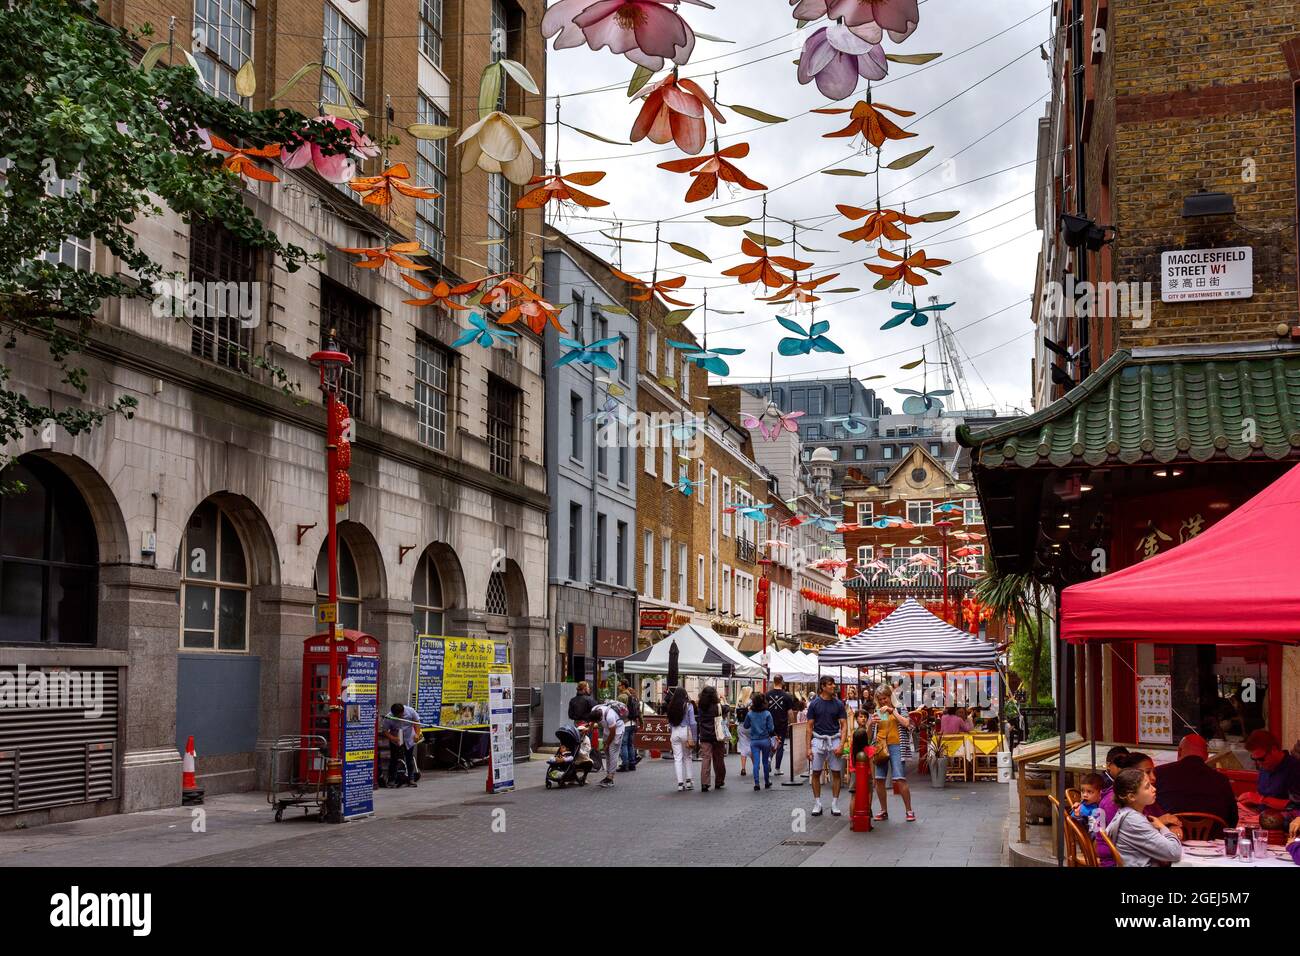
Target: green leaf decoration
811	249
430	131
941	216
909	160
668	382
610	235
883	283
706	36
349	103
764	240
727	311
845	289
755	114
678	316
194	64
527	122
691	251
519	73
597	136
730	220
844	172
246	79
611	308
911	365
912	59
152	55
640	77
296	78
489	88
342	109
871	377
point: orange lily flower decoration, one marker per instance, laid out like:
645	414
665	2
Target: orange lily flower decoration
866	120
880	223
240	161
905	268
373	257
560	188
379	189
440	293
713	168
536	312
762	269
800	291
642	290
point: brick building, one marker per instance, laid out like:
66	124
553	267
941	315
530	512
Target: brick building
1166	167
197	555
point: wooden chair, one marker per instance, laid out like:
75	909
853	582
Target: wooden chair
955	747
1079	850
1073	796
984	760
1114	853
1201	826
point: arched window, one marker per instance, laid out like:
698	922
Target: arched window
426	595
497	602
349	585
214	583
48	557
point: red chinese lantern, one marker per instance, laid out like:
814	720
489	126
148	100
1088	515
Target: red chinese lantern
340	420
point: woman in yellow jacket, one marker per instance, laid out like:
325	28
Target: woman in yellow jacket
886	727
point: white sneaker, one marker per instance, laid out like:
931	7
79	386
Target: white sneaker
835	808
817	809
690	785
681	787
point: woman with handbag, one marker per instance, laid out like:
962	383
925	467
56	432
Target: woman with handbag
713	736
743	743
682	729
887	727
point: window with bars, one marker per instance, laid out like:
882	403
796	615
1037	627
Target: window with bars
499	214
224	43
501	414
431	172
496	601
218	256
433	367
431	31
345	320
345	51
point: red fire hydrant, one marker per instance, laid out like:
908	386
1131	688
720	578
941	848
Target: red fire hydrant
860	817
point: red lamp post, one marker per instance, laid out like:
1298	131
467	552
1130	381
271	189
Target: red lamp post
764	585
338	457
943	527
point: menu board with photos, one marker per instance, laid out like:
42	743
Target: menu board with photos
1155	712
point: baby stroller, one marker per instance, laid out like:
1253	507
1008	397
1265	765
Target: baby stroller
572	762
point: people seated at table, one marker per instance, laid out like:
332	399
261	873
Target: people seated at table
1190	785
1112	764
954	723
1278	787
1087	811
1134	760
1293	841
1141	839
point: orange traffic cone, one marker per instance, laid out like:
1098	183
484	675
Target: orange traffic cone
190	792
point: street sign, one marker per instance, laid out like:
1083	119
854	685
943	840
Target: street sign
327	613
1189	275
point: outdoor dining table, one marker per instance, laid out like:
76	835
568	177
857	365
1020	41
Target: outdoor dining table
1193	855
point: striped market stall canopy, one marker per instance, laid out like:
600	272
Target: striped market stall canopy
911	637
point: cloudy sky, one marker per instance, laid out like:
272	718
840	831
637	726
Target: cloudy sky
990	78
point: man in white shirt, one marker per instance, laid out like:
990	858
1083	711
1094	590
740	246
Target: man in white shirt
606	716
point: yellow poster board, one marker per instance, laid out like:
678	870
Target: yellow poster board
451	686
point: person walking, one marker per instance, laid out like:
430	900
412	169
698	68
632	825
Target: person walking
781	705
742	735
682	730
627	697
888	727
759	728
712	744
827	727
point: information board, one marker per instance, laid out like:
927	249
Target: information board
360	710
1155	710
451	680
501	702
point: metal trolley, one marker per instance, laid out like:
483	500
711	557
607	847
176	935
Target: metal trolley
298	774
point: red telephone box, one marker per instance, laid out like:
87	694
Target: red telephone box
315	686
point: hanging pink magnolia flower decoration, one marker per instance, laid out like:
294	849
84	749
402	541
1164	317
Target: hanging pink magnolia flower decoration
835	57
674	112
340	167
899	17
645	31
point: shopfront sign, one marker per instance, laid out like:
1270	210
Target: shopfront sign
652	733
611	642
655	619
1191	275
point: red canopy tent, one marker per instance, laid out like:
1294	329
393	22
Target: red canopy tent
1235	583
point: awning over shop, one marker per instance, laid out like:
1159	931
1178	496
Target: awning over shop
911	636
1234	583
702	652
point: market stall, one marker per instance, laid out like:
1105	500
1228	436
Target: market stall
911	637
701	652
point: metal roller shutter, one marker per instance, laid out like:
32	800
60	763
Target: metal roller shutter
50	756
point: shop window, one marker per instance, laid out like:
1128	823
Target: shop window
48	558
214	583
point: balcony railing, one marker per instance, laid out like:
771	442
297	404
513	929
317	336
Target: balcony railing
903	575
745	550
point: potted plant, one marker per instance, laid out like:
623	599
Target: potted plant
937	758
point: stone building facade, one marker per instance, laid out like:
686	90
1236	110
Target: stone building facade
206	510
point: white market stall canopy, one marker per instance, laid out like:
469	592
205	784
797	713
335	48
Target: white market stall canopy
910	636
701	652
790	667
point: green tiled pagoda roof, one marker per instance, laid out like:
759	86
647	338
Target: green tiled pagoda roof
1157	406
